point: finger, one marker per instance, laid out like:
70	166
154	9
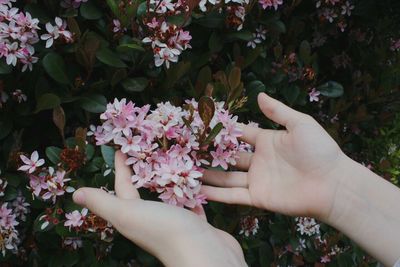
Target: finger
250	133
279	112
123	173
244	161
199	210
99	202
235	195
225	179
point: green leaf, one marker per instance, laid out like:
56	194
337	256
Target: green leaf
10	193
291	93
118	76
175	72
6	126
47	101
108	154
176	20
252	55
242	35
14	179
135	84
215	43
4	68
142	9
90	11
305	52
55	68
331	89
93	103
127	47
278	26
112	4
53	154
206	109
89	152
214	132
110	58
213	19
256	86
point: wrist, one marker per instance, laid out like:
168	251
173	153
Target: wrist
331	188
202	249
362	208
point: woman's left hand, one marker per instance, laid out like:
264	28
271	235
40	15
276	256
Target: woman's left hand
176	236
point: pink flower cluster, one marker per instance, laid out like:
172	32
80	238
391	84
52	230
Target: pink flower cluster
18	34
167	40
168	147
335	11
10	236
9	213
45	183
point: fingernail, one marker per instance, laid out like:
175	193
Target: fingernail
79	197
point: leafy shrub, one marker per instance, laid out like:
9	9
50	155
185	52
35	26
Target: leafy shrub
62	61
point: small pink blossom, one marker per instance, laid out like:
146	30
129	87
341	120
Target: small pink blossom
314	95
75	218
32	163
270	3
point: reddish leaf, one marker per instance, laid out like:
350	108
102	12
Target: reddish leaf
206	109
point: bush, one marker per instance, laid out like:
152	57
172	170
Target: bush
62	61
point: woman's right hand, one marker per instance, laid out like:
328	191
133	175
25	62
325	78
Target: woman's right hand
292	171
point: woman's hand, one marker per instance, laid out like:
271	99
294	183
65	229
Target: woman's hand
301	171
292	171
176	236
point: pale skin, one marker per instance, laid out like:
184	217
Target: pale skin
299	171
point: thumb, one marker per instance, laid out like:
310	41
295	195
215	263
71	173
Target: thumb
99	202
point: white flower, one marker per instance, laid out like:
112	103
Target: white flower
307	226
165	56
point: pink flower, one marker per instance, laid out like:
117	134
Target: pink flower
129	143
7	218
54	32
37	183
117	26
154	23
314	95
325	259
219	158
32	163
75	218
270	3
165	56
